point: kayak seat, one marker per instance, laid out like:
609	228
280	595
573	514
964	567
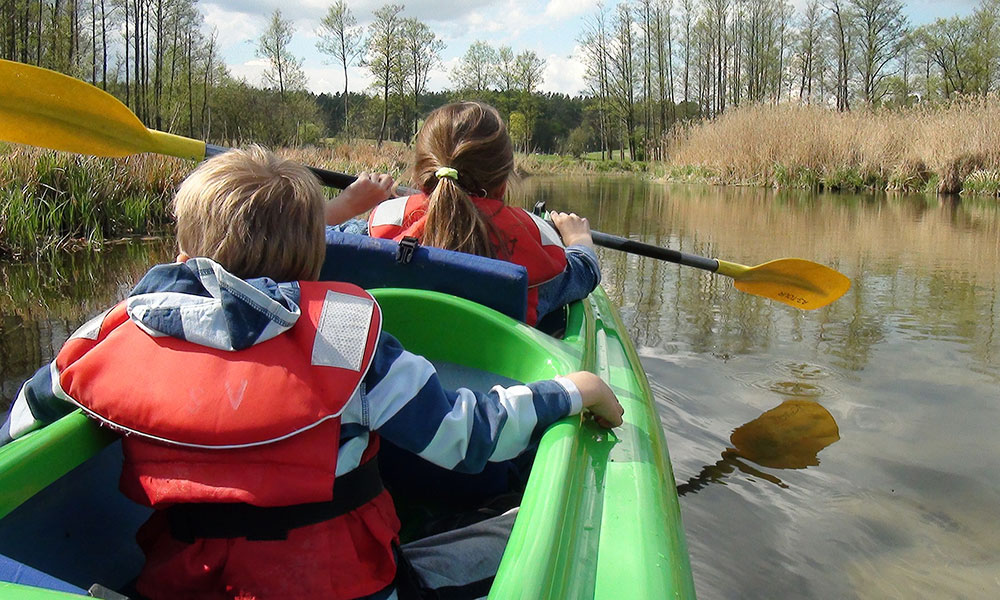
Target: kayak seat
372	263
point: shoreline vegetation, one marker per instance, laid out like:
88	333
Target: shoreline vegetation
51	200
949	149
55	200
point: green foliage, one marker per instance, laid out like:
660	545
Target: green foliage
242	114
796	177
517	126
579	140
51	199
982	183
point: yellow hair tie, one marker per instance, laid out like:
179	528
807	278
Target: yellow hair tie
447	172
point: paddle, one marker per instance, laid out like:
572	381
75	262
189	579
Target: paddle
51	110
47	109
789	436
793	281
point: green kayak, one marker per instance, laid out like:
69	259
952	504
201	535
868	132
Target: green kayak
599	517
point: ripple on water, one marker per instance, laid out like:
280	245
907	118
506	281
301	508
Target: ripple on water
794	379
798	389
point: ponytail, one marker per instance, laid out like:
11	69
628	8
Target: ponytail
462	147
454	222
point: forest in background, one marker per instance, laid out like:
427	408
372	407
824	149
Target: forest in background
653	67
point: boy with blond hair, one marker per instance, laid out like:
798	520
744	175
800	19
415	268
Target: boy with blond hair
251	399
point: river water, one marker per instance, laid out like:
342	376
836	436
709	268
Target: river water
888	491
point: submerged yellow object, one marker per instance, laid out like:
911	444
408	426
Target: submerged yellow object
789	436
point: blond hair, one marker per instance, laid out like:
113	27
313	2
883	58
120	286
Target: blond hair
471	138
255	214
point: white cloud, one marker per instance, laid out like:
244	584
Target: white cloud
565	9
564	74
439	11
330	79
234	27
251	70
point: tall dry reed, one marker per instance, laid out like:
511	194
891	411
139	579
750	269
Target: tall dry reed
355	157
921	148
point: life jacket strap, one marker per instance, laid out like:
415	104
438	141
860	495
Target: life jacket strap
352	490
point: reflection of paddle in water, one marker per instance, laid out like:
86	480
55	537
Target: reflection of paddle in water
789	436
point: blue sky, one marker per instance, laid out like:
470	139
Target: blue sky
549	27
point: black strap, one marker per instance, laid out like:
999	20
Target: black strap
189	522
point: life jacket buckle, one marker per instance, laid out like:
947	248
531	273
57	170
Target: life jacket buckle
407	246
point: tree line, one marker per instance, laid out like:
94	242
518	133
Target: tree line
651	66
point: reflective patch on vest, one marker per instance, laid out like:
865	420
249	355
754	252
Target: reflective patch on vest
390	212
92	328
342	331
550	237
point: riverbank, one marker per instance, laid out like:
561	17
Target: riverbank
55	200
947	150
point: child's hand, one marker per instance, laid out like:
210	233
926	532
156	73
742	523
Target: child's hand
575	231
364	194
598	398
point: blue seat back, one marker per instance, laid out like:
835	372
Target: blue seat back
371	263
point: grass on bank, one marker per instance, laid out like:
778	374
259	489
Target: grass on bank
53	199
947	149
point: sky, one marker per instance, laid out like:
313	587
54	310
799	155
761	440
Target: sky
548	27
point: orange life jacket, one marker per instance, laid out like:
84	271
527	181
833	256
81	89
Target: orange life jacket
525	239
259	427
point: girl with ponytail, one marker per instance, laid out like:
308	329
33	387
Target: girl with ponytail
463	159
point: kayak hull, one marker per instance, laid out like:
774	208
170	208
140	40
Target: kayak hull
600	516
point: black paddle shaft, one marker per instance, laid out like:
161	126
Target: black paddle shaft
342	180
328	178
633	247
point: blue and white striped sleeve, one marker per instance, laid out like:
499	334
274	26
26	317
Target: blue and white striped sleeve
581	276
35	406
461	429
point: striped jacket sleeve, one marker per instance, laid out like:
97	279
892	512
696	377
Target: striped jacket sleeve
404	401
35	406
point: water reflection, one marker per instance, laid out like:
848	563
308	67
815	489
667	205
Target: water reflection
789	436
43	301
907	363
905	366
932	268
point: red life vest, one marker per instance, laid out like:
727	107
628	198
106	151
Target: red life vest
526	239
258	426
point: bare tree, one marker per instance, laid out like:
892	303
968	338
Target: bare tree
284	70
530	69
882	27
477	70
841	23
383	54
809	47
423	49
340	37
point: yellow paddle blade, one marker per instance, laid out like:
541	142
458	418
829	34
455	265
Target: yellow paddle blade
43	108
788	436
793	281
